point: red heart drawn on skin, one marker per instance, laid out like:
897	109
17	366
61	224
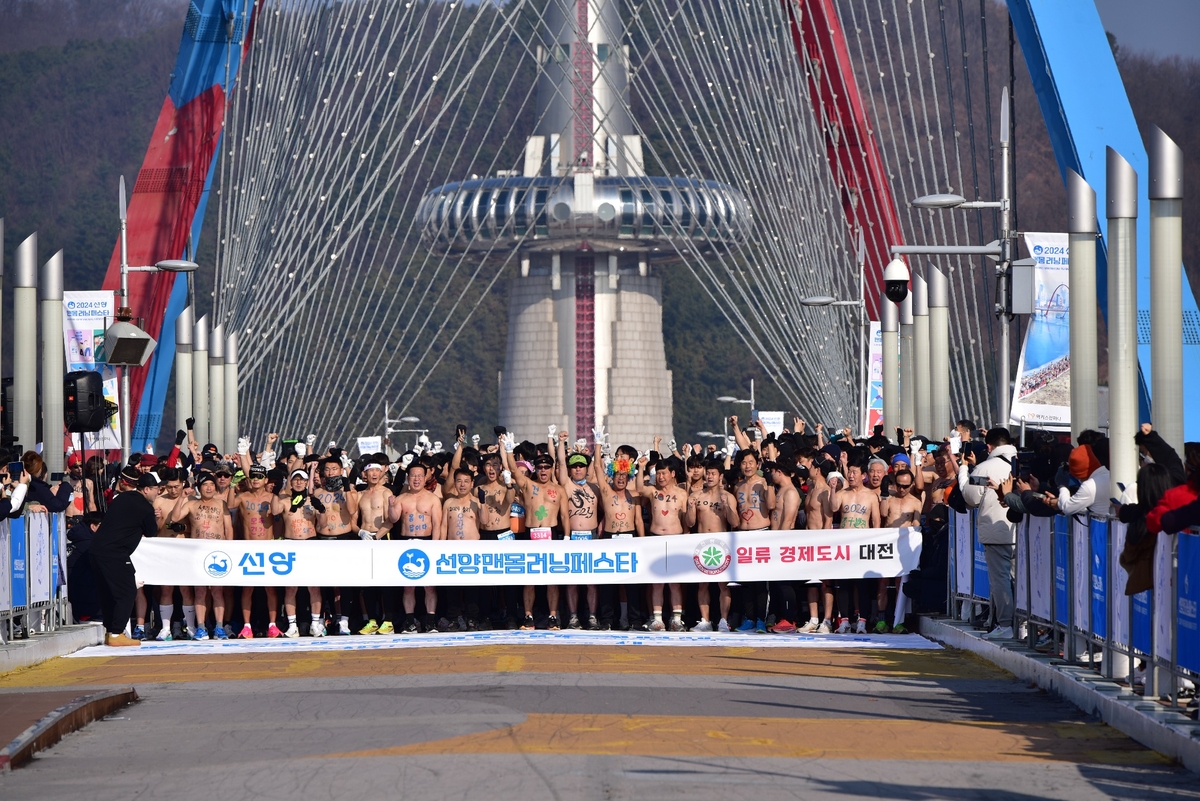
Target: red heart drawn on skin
619	515
665	511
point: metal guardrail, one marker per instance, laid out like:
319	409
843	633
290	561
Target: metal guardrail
33	576
1069	592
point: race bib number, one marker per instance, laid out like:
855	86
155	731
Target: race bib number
581	535
624	535
539	533
505	535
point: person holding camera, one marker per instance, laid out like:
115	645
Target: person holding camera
997	533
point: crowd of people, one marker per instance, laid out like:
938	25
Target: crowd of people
801	478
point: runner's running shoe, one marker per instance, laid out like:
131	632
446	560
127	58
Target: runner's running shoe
593	624
164	634
220	634
528	625
139	633
677	624
177	632
810	627
371	628
386	628
823	628
552	623
247	633
201	633
412	626
760	627
317	630
723	626
573	623
623	624
344	627
703	625
899	629
746	627
881	627
861	626
273	631
293	631
843	626
784	627
656	625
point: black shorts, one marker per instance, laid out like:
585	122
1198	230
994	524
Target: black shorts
349	535
424	539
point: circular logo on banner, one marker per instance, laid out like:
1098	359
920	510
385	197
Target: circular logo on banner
217	564
414	563
711	557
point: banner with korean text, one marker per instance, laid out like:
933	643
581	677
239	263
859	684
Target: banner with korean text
736	556
1042	394
86	316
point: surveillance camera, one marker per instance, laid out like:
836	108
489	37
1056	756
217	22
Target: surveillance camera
895	281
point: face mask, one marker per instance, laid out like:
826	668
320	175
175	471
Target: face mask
333	483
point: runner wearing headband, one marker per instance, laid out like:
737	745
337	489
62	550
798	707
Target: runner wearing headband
583	502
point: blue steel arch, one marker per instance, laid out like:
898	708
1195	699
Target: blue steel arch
1086	109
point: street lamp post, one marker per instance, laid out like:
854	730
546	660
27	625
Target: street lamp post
1001	249
861	304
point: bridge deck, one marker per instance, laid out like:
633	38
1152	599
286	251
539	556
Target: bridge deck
544	721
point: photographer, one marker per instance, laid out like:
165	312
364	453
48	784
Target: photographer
997	533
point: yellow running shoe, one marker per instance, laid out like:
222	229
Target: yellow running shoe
371	628
386	628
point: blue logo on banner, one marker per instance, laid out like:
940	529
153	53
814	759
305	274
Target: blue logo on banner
18	557
981	589
414	563
1187	621
1062	527
218	564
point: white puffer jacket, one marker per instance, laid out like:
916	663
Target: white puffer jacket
992	518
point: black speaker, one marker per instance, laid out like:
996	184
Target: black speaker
84	409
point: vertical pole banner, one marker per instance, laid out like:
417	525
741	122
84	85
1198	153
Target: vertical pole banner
982	587
1164	580
1022	586
964	559
86	316
1187	625
18	562
1039	566
874	408
1080	592
39	558
1042	394
1099	577
5	568
1117	577
1062	551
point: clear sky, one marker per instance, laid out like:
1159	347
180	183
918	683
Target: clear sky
1159	28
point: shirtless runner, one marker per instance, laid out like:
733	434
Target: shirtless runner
785	508
374	524
258	523
336	522
583	520
622	514
546	517
753	502
859	506
299	511
416	514
668	506
710	510
495	503
208	519
172	488
460	521
818	510
898	510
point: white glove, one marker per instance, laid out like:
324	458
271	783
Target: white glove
394	468
580	444
365	535
506	477
598	434
243	446
510	442
671	447
346	463
423	440
149	449
301	449
915	446
268	459
437	447
332	444
406	460
552	429
310	440
475	441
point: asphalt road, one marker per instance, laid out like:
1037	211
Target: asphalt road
563	722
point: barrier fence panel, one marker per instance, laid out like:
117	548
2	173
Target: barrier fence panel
32	578
1069	588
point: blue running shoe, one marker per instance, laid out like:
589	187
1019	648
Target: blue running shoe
139	633
219	633
201	633
746	627
761	628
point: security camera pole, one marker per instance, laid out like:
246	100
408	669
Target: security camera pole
1001	249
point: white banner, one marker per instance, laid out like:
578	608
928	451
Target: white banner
5	567
1041	531
369	445
39	560
736	556
873	408
85	317
1042	395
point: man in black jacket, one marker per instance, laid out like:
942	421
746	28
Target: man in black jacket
130	517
